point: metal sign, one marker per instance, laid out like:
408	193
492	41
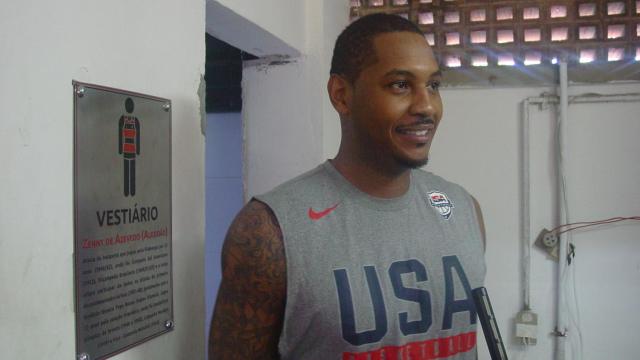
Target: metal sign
122	190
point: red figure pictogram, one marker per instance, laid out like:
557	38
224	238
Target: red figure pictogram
129	146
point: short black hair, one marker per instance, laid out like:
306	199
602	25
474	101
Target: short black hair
354	47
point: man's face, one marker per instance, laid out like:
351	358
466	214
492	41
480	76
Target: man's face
396	106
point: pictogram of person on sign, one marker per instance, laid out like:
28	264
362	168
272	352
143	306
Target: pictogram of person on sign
129	146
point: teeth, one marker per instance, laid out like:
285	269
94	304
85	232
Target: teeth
416	132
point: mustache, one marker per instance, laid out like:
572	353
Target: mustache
423	121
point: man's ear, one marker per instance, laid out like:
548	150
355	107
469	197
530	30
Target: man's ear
339	90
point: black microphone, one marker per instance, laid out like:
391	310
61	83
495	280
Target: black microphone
489	324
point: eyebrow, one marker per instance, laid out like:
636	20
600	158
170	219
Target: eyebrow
400	72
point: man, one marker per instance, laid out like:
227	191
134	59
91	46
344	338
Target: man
364	257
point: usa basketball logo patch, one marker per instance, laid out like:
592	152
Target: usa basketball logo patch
441	203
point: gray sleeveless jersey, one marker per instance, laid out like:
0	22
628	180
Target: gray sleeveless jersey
371	278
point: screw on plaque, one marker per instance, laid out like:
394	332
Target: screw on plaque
84	356
168	324
80	91
166	106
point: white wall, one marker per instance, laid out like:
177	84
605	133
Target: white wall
286	108
148	46
282	137
320	44
603	176
477	146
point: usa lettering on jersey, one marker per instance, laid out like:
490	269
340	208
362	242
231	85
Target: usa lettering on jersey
430	349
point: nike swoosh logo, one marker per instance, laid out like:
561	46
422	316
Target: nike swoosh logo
317	215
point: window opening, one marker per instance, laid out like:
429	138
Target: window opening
615	31
479	37
615	8
615	54
477	15
587	55
587	9
559	34
558	11
531	13
479	60
452	38
506	59
504	13
453	61
587	33
533	58
532	35
505	36
425	18
431	38
451	17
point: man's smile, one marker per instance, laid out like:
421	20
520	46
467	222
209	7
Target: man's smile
419	132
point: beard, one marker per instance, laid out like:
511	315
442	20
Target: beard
409	162
412	163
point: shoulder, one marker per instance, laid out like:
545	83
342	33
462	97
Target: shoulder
313	184
254	236
300	183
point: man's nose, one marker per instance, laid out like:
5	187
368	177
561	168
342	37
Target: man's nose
425	102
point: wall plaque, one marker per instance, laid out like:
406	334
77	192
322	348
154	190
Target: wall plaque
122	191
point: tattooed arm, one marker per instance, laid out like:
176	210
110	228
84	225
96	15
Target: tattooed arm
247	319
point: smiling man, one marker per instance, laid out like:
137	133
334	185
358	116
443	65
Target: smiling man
366	256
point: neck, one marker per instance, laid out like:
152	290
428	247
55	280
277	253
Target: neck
373	176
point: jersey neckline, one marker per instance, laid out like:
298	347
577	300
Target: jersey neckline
360	197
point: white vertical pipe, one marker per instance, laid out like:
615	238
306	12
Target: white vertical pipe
526	209
525	188
561	325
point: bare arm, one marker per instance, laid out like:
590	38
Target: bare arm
480	222
249	311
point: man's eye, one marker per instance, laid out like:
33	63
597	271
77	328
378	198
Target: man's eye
434	85
400	85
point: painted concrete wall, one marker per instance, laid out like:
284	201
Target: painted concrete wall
336	18
224	194
285	107
282	135
477	146
45	45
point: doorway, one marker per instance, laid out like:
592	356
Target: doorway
224	189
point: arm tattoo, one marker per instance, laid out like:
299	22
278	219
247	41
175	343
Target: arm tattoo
249	311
